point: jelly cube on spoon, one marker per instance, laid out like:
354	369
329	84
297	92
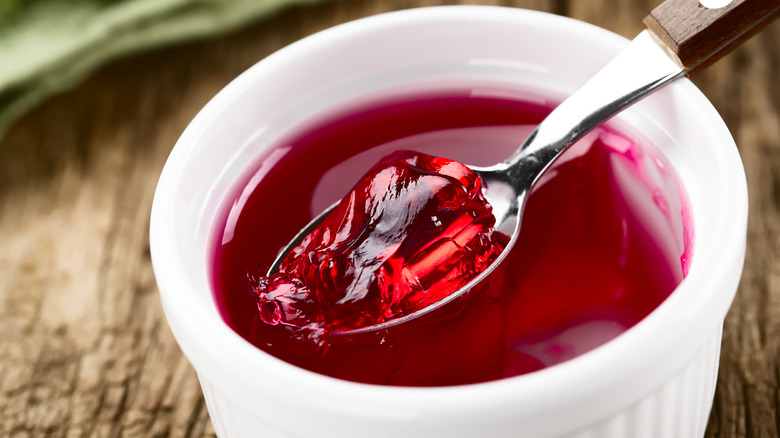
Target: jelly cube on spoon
414	229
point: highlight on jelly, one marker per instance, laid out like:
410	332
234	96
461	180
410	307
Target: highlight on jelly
413	230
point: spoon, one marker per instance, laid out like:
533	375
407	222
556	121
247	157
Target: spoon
681	38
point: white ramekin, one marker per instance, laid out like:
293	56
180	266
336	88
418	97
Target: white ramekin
656	380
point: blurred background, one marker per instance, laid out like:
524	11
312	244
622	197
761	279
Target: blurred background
94	94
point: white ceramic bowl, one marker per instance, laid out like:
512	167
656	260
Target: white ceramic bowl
656	380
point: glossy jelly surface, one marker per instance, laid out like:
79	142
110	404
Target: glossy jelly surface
604	240
414	229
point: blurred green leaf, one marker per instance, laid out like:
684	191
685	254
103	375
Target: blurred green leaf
47	46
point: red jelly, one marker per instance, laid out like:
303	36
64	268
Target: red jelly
603	243
413	230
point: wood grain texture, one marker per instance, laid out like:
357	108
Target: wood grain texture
84	347
699	36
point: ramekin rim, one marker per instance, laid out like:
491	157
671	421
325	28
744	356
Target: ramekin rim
170	276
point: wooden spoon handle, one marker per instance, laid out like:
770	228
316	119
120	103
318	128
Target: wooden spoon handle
699	35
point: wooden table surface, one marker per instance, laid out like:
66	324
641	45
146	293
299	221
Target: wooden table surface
84	347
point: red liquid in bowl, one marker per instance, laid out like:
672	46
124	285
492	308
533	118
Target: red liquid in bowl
602	243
